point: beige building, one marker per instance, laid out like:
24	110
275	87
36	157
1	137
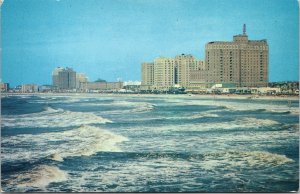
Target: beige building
238	63
29	88
102	86
184	65
81	78
4	87
166	73
241	62
147	76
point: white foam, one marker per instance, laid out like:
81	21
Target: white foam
240	106
38	177
238	123
247	159
134	175
166	169
248	122
81	141
202	115
56	157
52	118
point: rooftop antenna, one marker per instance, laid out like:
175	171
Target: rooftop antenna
244	29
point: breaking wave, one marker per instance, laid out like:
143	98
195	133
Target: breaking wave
82	141
52	118
39	177
236	159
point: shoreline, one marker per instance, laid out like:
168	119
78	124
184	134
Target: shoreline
195	96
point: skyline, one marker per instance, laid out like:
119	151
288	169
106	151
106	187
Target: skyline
110	39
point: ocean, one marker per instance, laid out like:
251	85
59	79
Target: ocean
155	143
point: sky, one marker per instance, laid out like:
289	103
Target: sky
109	39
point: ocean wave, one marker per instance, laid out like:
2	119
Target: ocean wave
203	115
244	159
82	141
52	118
39	177
131	107
150	170
249	121
239	123
238	106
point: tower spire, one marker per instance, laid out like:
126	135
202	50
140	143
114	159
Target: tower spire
244	29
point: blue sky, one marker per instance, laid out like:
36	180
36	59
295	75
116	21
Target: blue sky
110	39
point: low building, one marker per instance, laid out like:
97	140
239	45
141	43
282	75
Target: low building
102	86
4	87
29	88
288	87
81	78
133	86
46	88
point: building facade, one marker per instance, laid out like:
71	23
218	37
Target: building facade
81	78
4	87
29	88
64	78
238	63
166	73
102	86
242	62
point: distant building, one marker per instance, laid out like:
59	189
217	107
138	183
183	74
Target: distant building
55	78
166	73
242	62
288	87
81	78
102	86
147	76
46	88
29	88
64	78
4	87
133	86
184	64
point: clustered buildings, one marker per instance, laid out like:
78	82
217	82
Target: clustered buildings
66	79
238	63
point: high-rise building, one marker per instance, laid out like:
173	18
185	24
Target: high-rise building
81	78
64	78
241	62
4	87
55	79
166	73
147	74
184	64
238	63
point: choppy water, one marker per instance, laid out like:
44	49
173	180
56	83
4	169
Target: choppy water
148	144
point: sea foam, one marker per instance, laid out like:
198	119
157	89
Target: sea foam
52	118
38	177
81	141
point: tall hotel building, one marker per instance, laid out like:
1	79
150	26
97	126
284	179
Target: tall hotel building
165	72
64	78
241	62
147	75
237	63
